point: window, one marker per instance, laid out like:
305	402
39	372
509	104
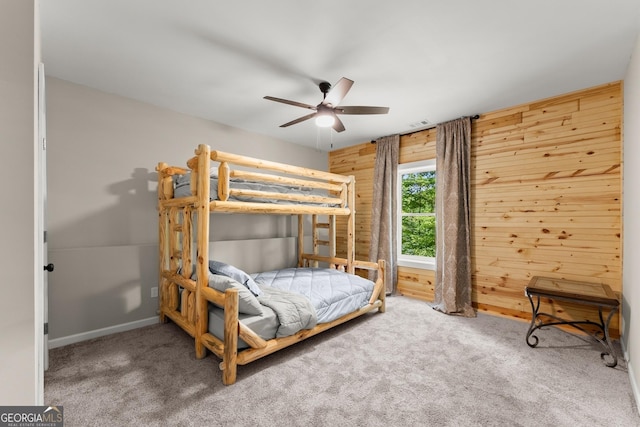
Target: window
417	214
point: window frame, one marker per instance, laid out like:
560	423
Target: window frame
414	261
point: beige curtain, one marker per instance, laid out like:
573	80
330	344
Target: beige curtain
383	209
453	248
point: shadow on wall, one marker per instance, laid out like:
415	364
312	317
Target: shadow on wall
136	206
104	220
108	265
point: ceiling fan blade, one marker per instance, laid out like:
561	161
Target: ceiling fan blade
338	91
361	110
294	103
338	126
298	120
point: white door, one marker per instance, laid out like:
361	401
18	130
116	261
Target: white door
42	193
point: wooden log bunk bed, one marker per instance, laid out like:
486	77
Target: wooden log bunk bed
187	296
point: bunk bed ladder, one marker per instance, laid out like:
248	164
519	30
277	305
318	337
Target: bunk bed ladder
172	258
324	234
175	252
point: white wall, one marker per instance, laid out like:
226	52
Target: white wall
102	217
19	55
631	216
103	150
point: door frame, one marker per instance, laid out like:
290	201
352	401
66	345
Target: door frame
41	286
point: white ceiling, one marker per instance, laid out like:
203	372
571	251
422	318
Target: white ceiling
424	59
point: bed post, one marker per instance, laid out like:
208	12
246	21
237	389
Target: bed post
351	224
300	240
230	357
202	256
314	236
382	296
162	233
186	248
332	236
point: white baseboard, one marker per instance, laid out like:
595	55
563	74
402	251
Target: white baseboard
632	378
72	339
634	386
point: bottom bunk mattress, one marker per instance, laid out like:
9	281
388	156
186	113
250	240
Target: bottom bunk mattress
292	299
331	292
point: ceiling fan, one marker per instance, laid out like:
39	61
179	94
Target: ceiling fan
326	112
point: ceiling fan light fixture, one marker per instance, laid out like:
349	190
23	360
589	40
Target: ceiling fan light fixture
325	120
326	113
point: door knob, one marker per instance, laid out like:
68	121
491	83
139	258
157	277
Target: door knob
49	267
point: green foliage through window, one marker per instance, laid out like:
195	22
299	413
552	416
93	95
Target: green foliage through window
418	214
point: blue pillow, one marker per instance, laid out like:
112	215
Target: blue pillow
247	302
236	274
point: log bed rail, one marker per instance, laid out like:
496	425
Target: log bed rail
180	247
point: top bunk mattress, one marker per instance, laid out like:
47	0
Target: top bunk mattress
332	293
182	188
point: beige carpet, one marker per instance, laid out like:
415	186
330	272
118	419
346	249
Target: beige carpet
411	366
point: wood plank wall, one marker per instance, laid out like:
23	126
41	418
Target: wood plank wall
546	199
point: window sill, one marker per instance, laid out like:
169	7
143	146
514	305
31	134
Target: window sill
417	263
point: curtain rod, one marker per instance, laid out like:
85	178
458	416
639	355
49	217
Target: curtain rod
475	117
